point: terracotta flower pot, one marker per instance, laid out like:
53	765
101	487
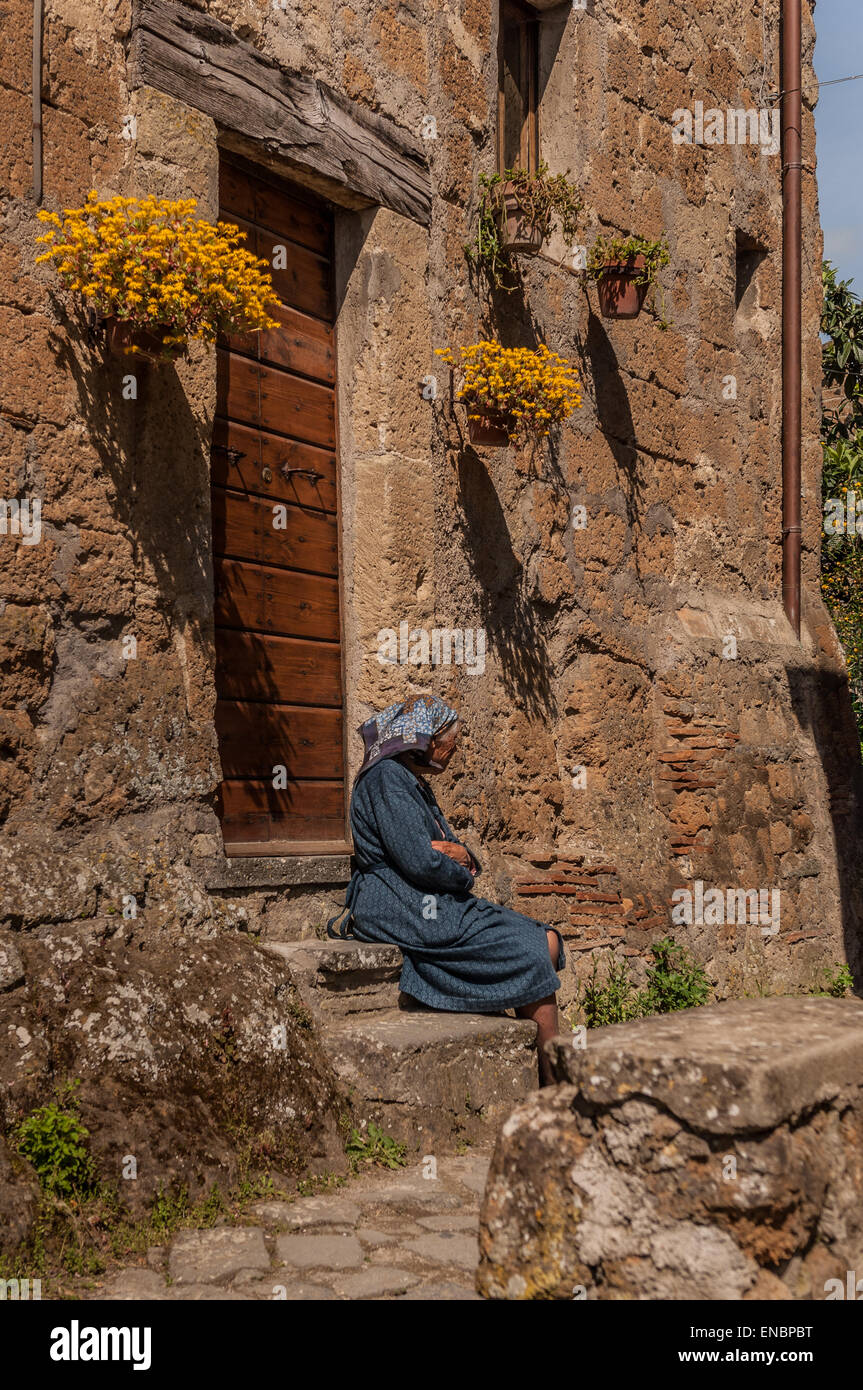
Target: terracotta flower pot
619	296
492	429
127	340
516	229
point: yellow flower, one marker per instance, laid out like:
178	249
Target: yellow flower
128	252
531	385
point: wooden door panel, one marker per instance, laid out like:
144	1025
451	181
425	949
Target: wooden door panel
243	528
300	278
275	400
303	811
251	666
301	344
261	599
290	219
236	193
245	196
299	408
254	739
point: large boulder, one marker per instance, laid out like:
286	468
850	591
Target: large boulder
715	1153
196	1060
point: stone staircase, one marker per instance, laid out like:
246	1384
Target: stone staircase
428	1079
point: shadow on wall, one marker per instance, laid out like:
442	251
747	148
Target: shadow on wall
613	412
153	455
513	628
821	702
155	452
515	625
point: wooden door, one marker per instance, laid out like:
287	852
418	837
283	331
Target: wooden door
276	538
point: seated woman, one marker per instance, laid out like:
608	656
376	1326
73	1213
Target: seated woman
413	880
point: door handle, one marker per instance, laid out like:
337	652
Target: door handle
310	473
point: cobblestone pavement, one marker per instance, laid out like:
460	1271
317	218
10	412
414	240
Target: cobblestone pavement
388	1235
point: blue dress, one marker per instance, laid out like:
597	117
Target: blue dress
460	952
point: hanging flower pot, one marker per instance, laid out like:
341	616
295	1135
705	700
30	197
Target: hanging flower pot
624	269
517	211
125	339
519	229
513	393
492	430
621	291
146	263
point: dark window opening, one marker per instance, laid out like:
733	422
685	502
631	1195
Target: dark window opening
749	255
518	88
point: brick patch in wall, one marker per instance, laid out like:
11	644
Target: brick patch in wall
694	760
599	913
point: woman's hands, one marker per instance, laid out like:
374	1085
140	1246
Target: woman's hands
454	851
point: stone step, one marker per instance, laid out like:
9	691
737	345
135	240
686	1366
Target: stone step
343	977
430	1079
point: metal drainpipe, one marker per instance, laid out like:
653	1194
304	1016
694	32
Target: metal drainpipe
37	99
792	119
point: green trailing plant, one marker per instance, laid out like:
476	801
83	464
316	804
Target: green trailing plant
544	198
374	1149
620	250
842	448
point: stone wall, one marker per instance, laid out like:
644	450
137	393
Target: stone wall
605	644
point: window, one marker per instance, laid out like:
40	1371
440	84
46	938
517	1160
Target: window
749	255
518	87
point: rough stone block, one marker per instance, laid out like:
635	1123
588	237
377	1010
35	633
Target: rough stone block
433	1078
689	1156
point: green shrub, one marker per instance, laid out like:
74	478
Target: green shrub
56	1142
838	981
674	980
615	1001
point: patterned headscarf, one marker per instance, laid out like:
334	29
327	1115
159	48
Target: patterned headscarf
406	727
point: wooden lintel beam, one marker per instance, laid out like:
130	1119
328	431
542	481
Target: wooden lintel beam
199	60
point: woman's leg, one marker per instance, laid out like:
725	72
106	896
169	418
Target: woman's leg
544	1014
553	945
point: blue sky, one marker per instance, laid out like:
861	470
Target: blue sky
839	135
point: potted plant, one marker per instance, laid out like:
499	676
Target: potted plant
156	275
624	269
513	393
517	210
